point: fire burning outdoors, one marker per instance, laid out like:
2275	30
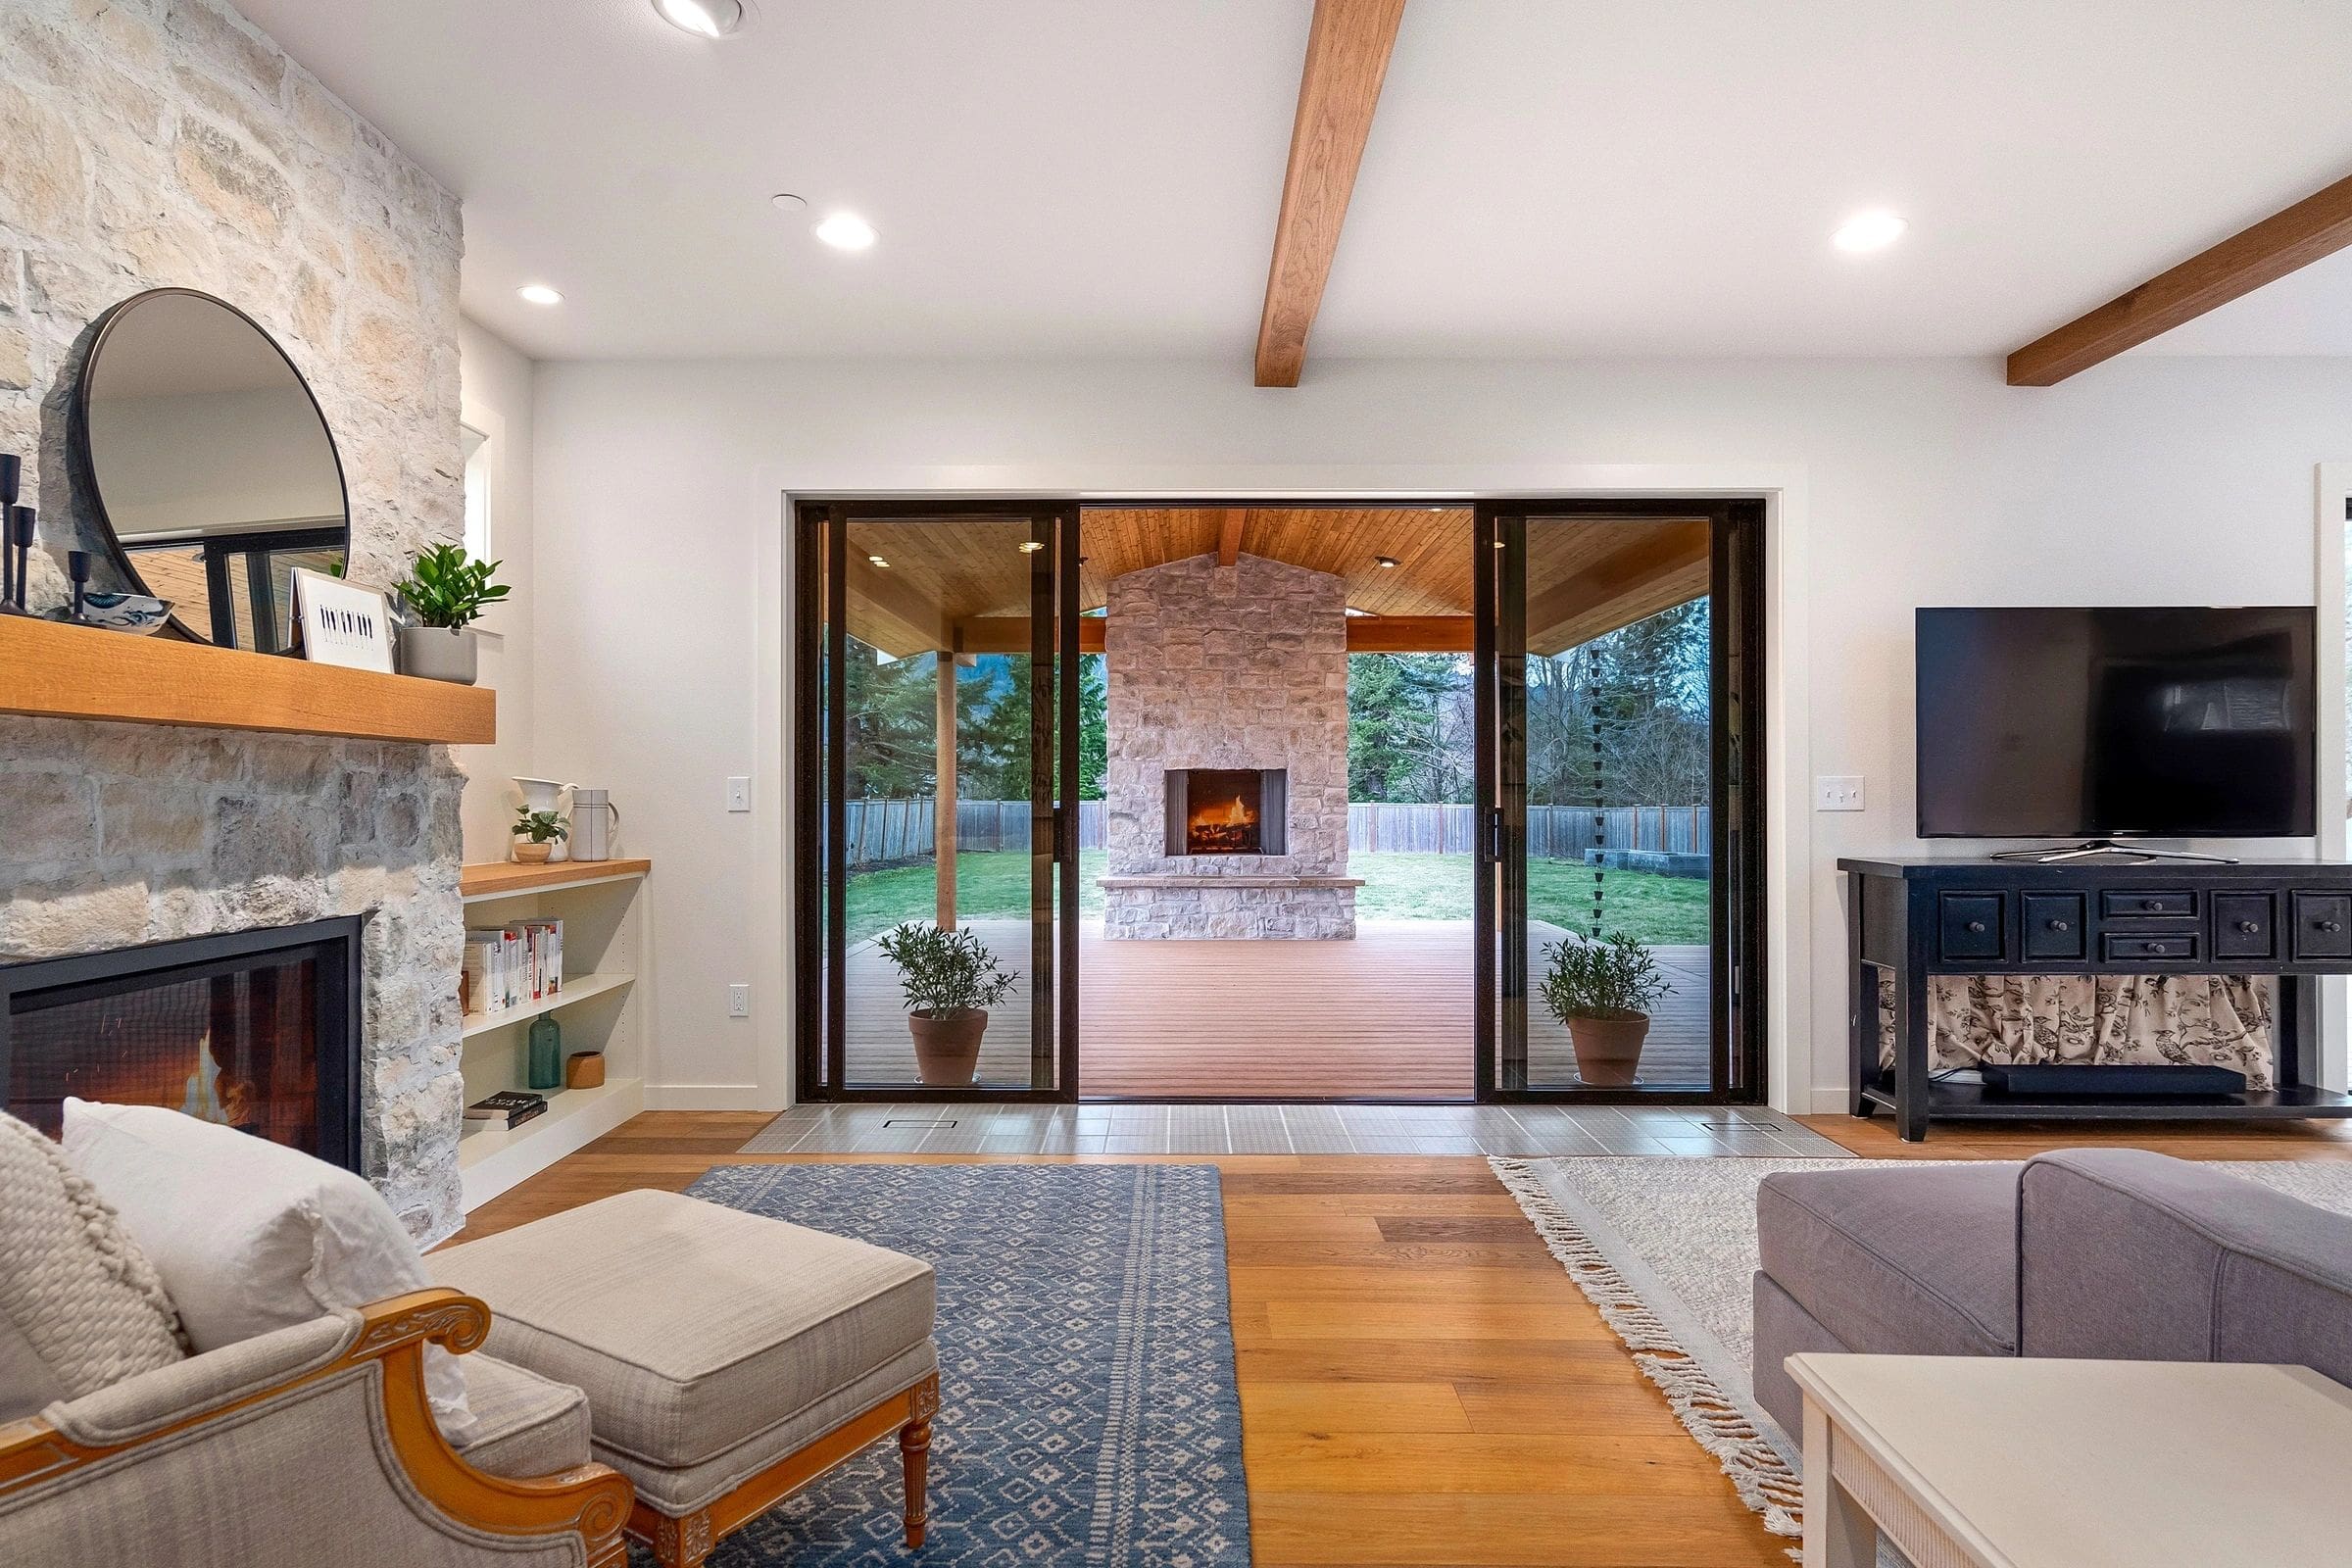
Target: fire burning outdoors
1225	823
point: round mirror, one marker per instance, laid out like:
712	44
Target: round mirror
207	462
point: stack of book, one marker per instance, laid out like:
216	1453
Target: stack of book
508	1107
514	964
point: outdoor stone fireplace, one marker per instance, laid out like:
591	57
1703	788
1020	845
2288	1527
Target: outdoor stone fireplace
1227	791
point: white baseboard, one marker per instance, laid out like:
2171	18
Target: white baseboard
705	1097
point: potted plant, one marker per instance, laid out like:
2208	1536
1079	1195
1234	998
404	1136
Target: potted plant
444	593
949	981
1602	991
540	831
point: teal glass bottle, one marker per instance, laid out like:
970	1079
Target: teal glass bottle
547	1053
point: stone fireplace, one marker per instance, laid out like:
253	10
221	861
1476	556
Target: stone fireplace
256	1030
1227	790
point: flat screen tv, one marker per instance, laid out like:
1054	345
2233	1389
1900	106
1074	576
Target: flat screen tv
2117	723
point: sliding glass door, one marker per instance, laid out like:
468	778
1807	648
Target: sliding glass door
934	660
1616	658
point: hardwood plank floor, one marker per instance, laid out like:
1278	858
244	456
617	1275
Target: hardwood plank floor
1420	1383
1875	1138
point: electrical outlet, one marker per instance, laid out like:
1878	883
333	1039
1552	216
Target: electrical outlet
1837	793
739	1002
739	792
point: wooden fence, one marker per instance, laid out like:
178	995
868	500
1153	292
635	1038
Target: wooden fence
881	832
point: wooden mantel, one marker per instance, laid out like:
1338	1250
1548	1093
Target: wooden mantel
54	670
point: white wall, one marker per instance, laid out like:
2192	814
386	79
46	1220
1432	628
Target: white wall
497	401
2152	479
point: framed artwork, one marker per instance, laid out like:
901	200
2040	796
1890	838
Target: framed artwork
343	624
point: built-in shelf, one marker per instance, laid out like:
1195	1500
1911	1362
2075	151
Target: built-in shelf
578	989
491	1159
57	670
504	879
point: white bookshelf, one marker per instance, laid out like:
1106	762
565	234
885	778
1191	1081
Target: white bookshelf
599	1008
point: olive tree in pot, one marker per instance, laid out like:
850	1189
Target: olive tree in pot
949	980
1602	991
444	595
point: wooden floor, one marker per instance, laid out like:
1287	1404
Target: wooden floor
1421	1386
1385	1016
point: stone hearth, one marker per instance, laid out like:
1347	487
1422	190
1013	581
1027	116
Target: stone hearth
1241	668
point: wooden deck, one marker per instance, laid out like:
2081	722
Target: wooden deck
1385	1016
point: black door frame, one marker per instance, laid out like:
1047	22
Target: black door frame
819	643
1736	582
1736	917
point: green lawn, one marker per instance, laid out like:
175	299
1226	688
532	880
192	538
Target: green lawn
995	885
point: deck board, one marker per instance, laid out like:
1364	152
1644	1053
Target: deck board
1386	1016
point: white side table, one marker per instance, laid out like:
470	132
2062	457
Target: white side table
1994	1462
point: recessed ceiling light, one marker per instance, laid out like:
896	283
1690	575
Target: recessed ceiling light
705	19
1030	547
540	294
877	561
1385	563
1869	231
845	231
786	202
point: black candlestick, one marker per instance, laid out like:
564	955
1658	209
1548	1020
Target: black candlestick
12	475
77	566
20	524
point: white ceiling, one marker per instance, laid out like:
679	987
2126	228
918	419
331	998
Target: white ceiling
1060	177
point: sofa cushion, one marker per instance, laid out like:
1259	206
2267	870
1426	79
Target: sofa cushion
1913	1261
523	1424
692	1328
81	1306
250	1236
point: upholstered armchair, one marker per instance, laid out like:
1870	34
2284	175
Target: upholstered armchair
314	1445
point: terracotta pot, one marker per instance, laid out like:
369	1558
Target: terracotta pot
531	854
947	1050
1608	1049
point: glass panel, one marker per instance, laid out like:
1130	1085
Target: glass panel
938	783
1619	715
238	1049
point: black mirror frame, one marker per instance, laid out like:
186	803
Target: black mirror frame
82	467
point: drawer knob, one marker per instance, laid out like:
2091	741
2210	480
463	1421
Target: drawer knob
2151	903
2058	925
1977	926
2250	927
2331	925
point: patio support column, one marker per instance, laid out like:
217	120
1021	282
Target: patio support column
943	804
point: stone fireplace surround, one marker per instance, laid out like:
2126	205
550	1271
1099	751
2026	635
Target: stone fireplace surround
1233	667
159	143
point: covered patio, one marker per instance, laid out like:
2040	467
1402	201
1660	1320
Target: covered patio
1385	1016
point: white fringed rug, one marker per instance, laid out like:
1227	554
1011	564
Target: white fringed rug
1666	1250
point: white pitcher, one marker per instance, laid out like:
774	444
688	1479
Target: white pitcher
594	820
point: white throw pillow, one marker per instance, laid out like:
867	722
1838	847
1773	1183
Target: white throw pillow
251	1235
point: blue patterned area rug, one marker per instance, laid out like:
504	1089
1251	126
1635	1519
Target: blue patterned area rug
1088	1412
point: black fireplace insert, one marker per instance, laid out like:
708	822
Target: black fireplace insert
256	1030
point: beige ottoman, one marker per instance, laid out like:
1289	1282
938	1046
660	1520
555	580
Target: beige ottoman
729	1360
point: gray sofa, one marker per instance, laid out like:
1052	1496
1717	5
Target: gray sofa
2108	1253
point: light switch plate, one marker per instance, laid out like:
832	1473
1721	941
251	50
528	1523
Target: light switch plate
739	792
1837	793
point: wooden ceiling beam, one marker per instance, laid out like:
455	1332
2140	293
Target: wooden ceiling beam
2319	225
1348	46
1009	634
1657	554
1366	634
1229	536
890	613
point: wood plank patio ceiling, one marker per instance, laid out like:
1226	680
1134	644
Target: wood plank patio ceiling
1584	576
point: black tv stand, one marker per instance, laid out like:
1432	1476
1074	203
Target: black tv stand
1917	919
2101	848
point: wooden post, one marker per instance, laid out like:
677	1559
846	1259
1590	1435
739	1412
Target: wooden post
943	802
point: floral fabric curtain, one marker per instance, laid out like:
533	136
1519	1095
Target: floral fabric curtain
2222	1021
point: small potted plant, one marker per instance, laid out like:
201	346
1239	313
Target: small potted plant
537	834
444	593
949	980
1603	990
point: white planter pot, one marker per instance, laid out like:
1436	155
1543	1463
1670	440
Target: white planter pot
439	653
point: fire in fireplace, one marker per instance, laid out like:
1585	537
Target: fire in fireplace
1226	810
256	1030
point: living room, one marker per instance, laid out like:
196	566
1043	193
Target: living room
460	430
